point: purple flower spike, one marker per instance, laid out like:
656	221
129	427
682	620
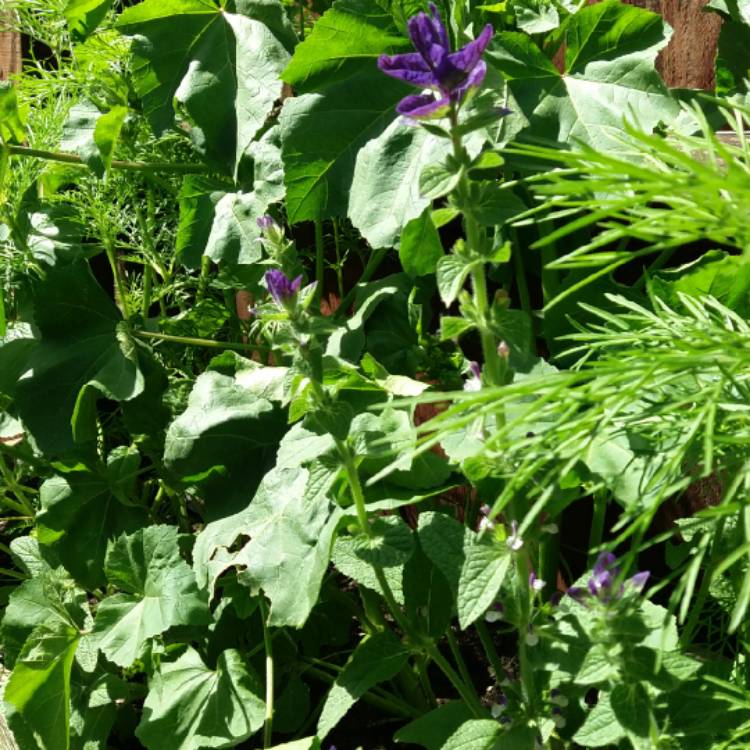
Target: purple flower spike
433	66
638	581
281	288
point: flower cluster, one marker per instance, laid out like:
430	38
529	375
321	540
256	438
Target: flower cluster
281	288
450	75
602	585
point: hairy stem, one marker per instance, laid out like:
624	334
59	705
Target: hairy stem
268	645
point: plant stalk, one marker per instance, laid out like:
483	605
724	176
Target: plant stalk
268	645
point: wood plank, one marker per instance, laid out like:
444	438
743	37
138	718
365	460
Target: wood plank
10	50
688	60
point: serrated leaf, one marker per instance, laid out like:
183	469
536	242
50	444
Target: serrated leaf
474	566
290	524
420	248
223	441
39	687
609	78
351	565
341	118
475	734
377	658
390	545
81	513
157	591
347	39
484	569
190	705
83	353
222	68
386	189
451	327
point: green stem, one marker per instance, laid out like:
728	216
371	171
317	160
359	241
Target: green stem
319	259
375	259
134	166
490	650
120	291
520	273
268	645
468	696
597	524
203	278
339	264
549	560
460	663
524	608
148	280
493	365
208	343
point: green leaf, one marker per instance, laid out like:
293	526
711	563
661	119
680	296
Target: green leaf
346	40
94	710
609	77
732	66
290	524
83	352
223	441
83	16
716	274
49	598
475	734
78	135
340	119
474	566
484	569
39	687
497	207
536	16
385	192
390	545
157	591
632	709
81	512
222	69
107	133
347	562
12	127
190	705
601	727
437	180
452	272
452	328
377	658
434	728
428	597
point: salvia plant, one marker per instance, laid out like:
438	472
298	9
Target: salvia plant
373	373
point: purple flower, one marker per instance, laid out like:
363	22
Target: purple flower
266	222
536	584
282	289
601	585
433	66
474	381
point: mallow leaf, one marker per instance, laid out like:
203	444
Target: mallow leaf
82	511
157	590
385	191
290	525
223	441
37	696
377	658
220	69
609	78
84	351
339	119
347	39
190	705
83	16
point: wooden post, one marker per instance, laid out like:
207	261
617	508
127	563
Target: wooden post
688	60
10	50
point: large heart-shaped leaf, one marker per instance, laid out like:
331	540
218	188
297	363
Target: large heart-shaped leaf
190	705
83	511
83	352
224	441
339	120
609	78
290	526
346	40
158	591
222	69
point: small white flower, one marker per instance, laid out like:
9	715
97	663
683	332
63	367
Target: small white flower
550	528
496	709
